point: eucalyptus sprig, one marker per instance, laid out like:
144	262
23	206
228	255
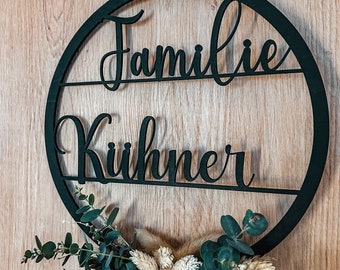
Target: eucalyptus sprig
112	252
225	253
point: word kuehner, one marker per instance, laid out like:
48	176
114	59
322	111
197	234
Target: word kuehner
146	158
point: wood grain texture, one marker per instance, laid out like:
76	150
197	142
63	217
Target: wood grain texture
35	34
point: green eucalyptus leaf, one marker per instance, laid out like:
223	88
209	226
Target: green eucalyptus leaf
66	259
118	263
240	246
85	238
91	215
224	253
48	249
68	240
84	254
209	262
28	254
91	199
111	236
83	209
130	266
231	227
222	240
109	259
112	216
82	197
39	258
254	223
89	246
74	248
227	257
103	267
208	247
102	251
249	214
37	240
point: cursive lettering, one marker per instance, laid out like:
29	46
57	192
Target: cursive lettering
147	157
141	63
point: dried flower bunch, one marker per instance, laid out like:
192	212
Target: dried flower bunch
114	252
163	259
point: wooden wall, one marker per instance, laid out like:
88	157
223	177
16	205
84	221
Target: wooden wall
33	37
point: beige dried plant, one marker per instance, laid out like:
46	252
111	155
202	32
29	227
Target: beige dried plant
163	260
256	263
